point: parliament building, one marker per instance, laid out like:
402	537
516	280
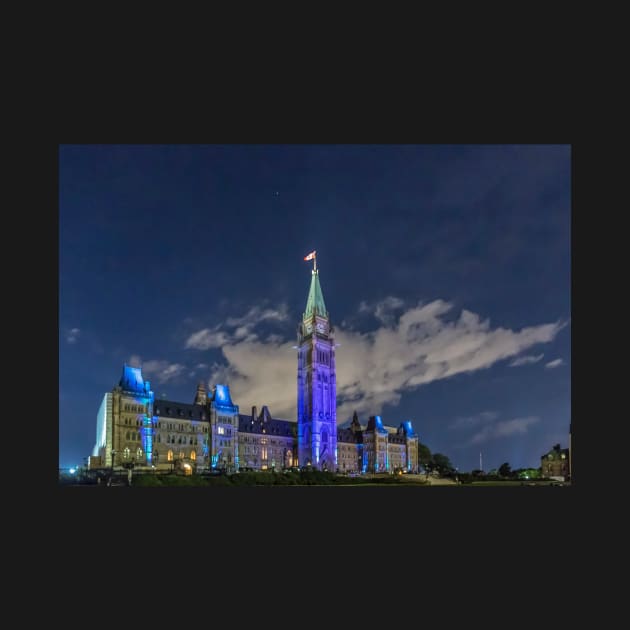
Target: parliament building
133	427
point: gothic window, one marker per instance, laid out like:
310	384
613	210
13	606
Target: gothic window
126	453
324	436
139	453
127	436
169	456
193	455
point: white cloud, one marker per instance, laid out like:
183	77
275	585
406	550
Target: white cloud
504	429
555	363
529	358
257	314
72	335
260	374
218	336
159	370
472	421
206	339
383	310
375	368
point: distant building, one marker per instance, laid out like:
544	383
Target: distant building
556	463
134	427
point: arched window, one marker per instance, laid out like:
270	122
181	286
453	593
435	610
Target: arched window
139	453
181	454
169	456
127	436
193	455
126	453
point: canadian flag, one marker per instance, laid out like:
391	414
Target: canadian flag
310	256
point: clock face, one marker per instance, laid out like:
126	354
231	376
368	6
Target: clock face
320	327
309	329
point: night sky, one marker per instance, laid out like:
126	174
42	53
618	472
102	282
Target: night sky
445	269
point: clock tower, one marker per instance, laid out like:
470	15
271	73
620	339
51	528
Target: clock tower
316	383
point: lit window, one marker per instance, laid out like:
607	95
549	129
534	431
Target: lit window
221	431
169	456
126	453
139	453
193	455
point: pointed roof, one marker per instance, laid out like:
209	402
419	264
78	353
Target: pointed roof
315	303
132	381
201	395
355	425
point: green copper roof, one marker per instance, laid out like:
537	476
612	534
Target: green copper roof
315	303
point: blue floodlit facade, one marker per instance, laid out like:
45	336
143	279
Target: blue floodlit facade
135	428
316	384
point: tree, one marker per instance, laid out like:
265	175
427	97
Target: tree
442	463
424	455
505	470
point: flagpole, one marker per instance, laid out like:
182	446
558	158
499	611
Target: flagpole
315	263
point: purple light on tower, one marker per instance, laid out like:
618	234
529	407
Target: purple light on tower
316	381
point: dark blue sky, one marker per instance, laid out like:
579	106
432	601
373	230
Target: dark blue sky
189	259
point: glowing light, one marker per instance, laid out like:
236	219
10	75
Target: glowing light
72	471
222	396
132	379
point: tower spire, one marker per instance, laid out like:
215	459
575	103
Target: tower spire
315	302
